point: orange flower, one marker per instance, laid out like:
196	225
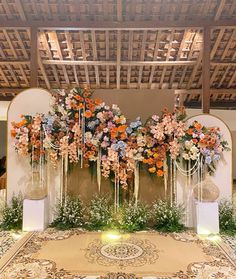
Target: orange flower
190	131
160	172
159	164
97	101
123	136
78	98
194	140
198	126
122	128
13	133
152	170
81	105
88	114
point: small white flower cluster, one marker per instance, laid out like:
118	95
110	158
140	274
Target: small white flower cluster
167	217
99	213
69	214
134	217
12	214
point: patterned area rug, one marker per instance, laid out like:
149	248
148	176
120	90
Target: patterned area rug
74	254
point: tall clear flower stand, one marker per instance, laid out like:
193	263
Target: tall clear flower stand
35	214
206	218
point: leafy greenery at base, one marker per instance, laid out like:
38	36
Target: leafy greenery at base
100	213
227	218
134	217
167	217
12	214
69	214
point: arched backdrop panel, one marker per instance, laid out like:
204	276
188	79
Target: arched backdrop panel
30	101
222	176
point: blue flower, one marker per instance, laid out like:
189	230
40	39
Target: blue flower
216	157
208	160
129	130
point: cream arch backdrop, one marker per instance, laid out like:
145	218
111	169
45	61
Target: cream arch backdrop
222	176
30	101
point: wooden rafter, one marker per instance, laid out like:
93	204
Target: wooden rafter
130	52
56	41
107	58
95	56
206	70
84	56
70	49
118	61
219	9
142	54
49	53
155	56
33	57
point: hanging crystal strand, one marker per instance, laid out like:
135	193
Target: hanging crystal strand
118	186
65	175
171	183
79	124
136	182
115	198
201	179
82	136
174	181
99	169
47	175
165	177
61	180
32	167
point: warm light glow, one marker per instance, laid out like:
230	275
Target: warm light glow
214	237
203	231
16	235
112	235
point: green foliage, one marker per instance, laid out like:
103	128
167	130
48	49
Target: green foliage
12	214
227	218
133	217
100	213
167	217
69	214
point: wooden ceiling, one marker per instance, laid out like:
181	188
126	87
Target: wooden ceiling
156	44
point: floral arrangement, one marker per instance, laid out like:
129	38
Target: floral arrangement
163	139
203	141
168	217
69	214
12	214
99	213
80	129
134	217
227	218
28	136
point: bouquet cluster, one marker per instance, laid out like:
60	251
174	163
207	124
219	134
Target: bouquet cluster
203	141
82	129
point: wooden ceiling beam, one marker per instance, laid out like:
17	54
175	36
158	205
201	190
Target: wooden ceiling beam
20	10
122	63
114	25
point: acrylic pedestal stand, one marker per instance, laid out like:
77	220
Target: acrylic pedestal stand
35	214
207	218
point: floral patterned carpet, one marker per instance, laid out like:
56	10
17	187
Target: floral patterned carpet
124	259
